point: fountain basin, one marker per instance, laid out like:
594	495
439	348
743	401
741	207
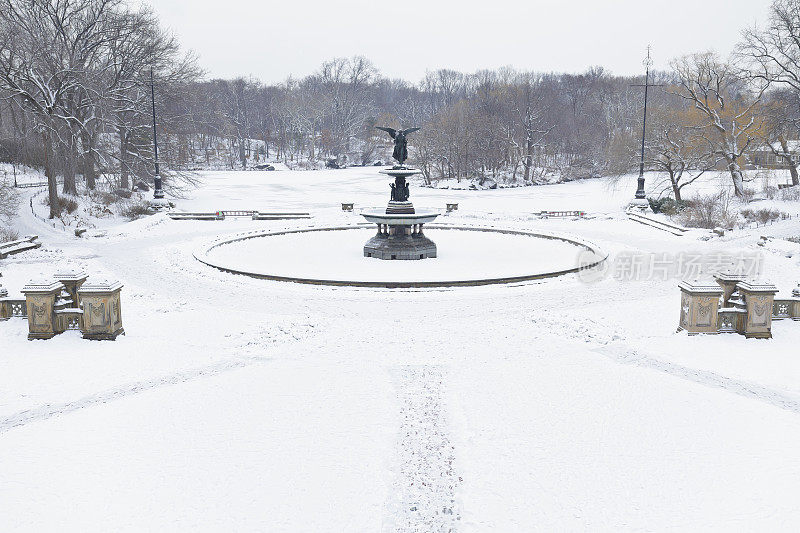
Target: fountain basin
400	236
470	255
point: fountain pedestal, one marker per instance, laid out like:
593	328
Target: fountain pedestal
400	234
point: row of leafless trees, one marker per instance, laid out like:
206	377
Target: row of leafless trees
485	125
75	75
707	113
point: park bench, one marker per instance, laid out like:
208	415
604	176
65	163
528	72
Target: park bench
547	214
451	207
21	245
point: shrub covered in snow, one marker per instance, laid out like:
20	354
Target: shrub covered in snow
9	202
709	211
790	194
136	210
761	215
8	234
66	204
666	205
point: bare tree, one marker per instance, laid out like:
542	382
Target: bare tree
727	110
674	148
781	116
347	96
772	53
37	73
528	103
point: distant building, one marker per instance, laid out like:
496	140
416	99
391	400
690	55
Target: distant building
764	157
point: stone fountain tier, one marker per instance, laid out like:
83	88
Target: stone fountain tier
400	173
399	236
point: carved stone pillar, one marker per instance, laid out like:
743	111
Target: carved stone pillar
758	299
699	307
40	297
102	312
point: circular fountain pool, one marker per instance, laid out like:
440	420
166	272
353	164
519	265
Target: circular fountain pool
468	255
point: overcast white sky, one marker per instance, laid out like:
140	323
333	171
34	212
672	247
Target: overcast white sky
272	39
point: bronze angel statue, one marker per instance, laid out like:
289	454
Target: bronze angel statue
400	143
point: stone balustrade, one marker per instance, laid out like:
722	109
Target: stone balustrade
731	320
68	303
783	308
734	305
11	308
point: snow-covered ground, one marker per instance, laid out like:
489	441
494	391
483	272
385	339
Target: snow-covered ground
235	403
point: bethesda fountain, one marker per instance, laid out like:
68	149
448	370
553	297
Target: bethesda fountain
400	225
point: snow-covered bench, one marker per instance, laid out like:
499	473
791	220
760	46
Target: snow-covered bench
547	214
20	245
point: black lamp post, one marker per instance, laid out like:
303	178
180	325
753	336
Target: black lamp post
640	187
640	194
158	193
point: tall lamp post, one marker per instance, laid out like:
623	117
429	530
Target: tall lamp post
640	199
158	193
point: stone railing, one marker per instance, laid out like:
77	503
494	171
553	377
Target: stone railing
53	306
10	308
786	308
730	320
732	304
69	319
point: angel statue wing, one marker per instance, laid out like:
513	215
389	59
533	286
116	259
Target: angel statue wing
392	132
409	130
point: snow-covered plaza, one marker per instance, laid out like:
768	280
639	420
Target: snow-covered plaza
237	403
